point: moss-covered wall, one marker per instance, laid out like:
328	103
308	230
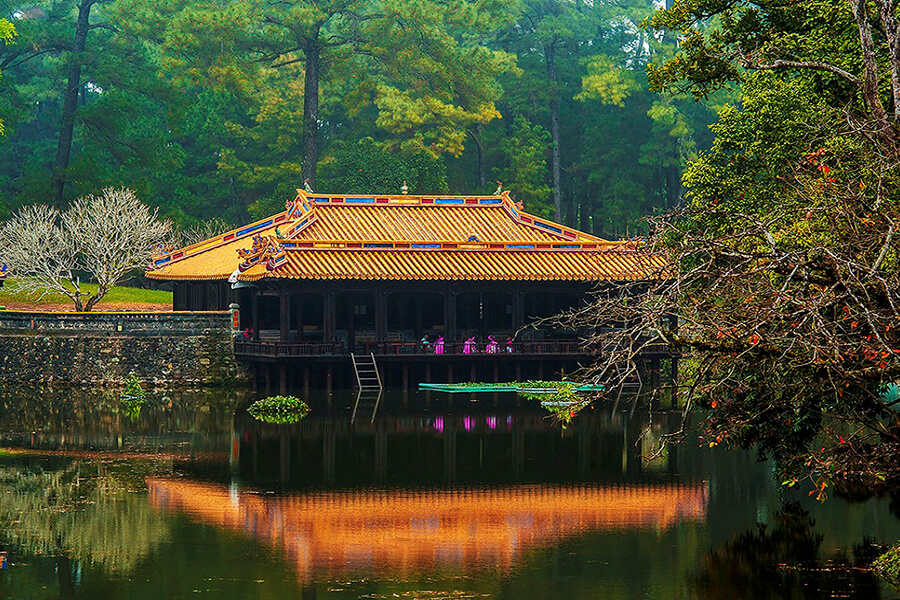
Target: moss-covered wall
163	349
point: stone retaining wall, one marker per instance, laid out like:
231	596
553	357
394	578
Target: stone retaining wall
164	349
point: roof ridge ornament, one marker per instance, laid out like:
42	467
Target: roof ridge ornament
266	249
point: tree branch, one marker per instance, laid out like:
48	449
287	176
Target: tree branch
806	64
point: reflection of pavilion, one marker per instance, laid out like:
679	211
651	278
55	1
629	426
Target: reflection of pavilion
517	445
335	533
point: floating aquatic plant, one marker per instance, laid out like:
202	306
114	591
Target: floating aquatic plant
279	409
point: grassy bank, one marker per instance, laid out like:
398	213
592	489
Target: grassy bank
117	296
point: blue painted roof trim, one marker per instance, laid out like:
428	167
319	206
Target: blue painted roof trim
257	227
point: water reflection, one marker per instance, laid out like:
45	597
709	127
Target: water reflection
433	497
785	559
403	531
449	442
81	510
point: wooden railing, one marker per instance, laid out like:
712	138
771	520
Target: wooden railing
275	348
479	348
272	348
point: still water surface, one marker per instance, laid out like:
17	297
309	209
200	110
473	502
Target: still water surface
435	497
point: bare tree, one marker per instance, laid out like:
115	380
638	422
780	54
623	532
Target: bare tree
105	236
201	232
43	255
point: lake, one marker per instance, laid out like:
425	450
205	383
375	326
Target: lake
418	496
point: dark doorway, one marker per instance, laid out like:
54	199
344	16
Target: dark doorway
308	317
355	319
410	316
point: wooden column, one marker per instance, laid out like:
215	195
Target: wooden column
483	312
420	326
518	308
328	310
254	313
284	315
380	316
299	313
450	315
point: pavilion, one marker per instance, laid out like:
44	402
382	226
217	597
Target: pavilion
335	274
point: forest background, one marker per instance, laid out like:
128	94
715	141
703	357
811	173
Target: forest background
222	109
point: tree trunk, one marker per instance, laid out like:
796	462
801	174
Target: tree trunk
70	101
889	21
549	54
311	110
885	132
584	208
64	576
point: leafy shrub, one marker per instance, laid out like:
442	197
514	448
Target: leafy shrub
279	409
888	566
133	398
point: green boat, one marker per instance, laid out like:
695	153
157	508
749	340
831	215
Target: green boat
462	388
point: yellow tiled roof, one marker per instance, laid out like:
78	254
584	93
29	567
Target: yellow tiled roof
425	223
213	259
408	238
472	265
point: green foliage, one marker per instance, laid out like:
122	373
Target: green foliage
757	146
367	166
526	170
557	391
791	223
887	566
7	35
563	403
134	397
200	105
607	82
133	389
86	510
279	409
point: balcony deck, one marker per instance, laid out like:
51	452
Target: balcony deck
402	350
273	349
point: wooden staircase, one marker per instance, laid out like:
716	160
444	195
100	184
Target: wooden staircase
367	376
